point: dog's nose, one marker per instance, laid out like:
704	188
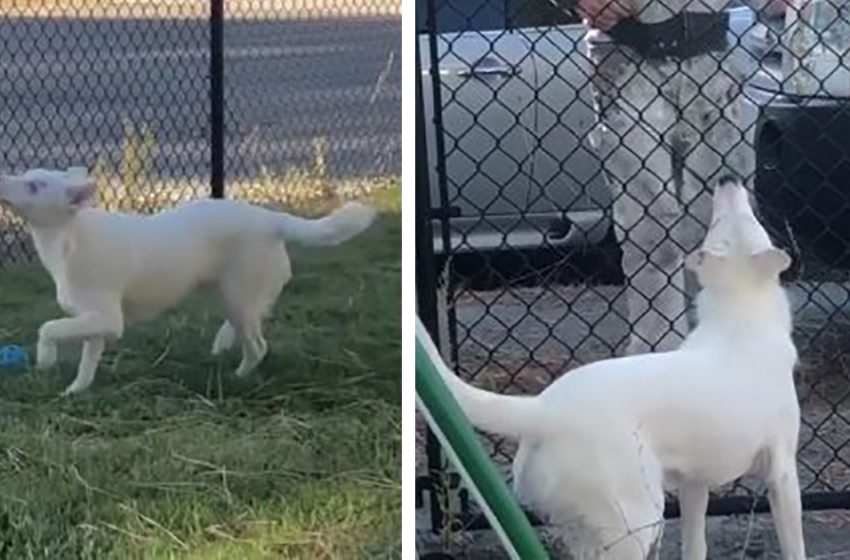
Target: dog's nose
728	181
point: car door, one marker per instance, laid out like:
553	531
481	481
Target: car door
567	170
487	85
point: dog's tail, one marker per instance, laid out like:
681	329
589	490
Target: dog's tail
511	416
337	227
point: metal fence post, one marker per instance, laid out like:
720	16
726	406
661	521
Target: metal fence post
426	277
217	98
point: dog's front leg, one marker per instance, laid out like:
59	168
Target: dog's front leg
88	327
693	501
785	505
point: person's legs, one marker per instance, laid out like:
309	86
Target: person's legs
633	100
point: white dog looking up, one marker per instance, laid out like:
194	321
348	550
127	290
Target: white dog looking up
600	445
112	268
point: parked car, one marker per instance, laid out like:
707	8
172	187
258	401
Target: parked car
517	112
516	109
803	148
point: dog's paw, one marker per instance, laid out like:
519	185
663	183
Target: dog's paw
73	389
45	355
246	367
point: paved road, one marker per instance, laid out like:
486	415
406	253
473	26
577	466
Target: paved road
67	85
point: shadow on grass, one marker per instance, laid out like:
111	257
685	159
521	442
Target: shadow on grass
168	455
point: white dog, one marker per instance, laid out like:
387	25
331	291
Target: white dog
110	268
599	446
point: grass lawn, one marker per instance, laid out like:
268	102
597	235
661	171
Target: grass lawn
168	455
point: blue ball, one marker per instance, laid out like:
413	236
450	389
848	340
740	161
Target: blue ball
13	356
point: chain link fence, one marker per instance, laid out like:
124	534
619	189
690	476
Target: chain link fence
311	99
569	174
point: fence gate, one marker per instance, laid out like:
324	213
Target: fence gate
532	227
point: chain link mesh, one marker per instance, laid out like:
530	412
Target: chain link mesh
312	99
569	176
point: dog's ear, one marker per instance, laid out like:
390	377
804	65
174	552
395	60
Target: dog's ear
771	262
80	193
703	262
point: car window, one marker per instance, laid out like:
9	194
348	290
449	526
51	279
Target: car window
489	15
539	13
492	15
463	15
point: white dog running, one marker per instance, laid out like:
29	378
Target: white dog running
110	268
598	447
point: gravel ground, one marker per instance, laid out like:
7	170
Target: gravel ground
741	536
518	341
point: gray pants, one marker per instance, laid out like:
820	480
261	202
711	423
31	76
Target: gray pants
667	131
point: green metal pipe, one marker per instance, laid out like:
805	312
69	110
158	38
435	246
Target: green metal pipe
461	444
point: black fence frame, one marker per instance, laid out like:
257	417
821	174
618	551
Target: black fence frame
438	482
217	148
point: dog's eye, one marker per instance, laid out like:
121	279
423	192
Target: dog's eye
34	186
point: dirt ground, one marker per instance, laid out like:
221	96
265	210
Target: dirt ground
520	340
731	537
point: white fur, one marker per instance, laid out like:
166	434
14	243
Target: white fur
598	447
113	268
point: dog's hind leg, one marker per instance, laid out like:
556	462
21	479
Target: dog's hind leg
250	287
224	339
245	315
622	521
628	511
92	351
254	347
628	531
693	500
245	324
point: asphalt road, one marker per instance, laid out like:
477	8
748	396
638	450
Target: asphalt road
66	87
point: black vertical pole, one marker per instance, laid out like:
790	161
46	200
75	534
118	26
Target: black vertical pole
217	98
445	209
426	283
426	269
442	212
